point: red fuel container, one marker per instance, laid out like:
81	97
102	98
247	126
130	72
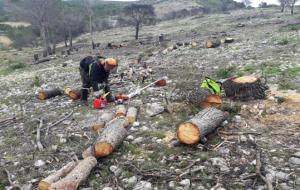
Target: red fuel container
100	103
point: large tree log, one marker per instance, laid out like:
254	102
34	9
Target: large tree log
245	88
45	183
131	115
212	43
74	94
205	122
46	94
201	97
102	120
111	137
76	176
120	111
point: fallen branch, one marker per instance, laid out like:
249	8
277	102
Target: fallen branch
238	133
258	168
57	122
38	136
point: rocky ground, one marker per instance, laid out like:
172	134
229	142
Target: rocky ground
267	44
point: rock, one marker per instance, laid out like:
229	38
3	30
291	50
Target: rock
282	176
294	160
185	183
143	185
130	137
114	169
144	128
172	184
220	163
154	109
132	180
138	140
107	188
89	188
284	186
297	181
243	138
297	154
136	124
39	163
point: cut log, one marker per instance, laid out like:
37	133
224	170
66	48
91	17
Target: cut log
74	94
212	43
121	111
212	101
197	96
45	183
102	120
111	137
76	176
42	61
90	151
245	88
131	115
46	94
205	122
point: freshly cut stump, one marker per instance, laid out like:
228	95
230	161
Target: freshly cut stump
74	94
131	115
200	125
111	137
102	120
76	176
245	88
46	94
121	111
45	183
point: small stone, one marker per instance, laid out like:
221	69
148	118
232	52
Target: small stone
159	141
185	183
89	188
144	128
243	138
132	180
54	147
39	163
143	185
136	124
107	188
220	163
138	140
130	137
172	184
294	160
154	109
297	154
284	186
297	181
114	169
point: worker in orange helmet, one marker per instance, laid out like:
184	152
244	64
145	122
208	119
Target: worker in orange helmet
95	70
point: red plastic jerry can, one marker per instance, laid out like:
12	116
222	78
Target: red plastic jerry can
100	103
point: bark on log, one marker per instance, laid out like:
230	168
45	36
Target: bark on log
42	61
120	111
131	115
45	183
212	43
90	151
201	97
46	94
205	122
245	88
111	137
74	94
102	120
76	176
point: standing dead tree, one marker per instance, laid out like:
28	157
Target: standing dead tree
89	12
282	4
138	14
291	4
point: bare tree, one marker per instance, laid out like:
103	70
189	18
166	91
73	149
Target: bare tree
247	3
138	14
291	4
283	4
87	4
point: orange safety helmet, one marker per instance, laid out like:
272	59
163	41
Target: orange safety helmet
111	62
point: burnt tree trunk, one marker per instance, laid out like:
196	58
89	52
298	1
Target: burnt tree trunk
102	120
76	176
245	88
205	122
46	94
45	183
111	137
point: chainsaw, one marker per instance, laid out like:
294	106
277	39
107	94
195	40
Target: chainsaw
100	103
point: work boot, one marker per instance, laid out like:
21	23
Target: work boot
110	98
83	98
84	103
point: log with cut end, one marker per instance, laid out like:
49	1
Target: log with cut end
120	111
131	115
111	137
46	94
201	97
102	120
205	122
76	176
74	94
212	43
45	183
245	88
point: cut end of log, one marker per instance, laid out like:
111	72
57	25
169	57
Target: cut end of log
73	95
245	79
120	114
103	149
131	119
212	101
44	185
188	133
42	95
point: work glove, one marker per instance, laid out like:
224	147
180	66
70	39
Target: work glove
98	94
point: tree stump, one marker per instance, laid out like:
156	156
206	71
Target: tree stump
76	176
131	115
120	111
111	137
205	122
212	43
102	120
245	88
74	94
45	183
46	94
